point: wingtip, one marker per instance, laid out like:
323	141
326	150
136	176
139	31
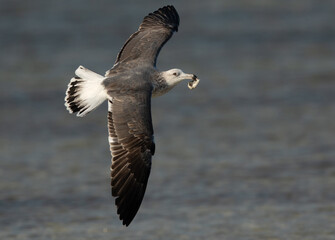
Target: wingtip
171	12
125	222
166	16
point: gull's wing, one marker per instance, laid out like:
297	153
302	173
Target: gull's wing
132	146
155	30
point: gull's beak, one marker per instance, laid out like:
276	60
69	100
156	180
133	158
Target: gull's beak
194	82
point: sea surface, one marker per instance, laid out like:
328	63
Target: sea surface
248	154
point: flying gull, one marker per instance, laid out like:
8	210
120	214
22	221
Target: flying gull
128	87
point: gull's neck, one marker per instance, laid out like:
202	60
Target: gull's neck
161	85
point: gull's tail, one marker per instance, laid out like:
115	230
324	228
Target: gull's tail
85	92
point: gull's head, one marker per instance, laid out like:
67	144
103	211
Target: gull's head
175	76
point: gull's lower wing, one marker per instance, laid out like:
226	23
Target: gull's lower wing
132	146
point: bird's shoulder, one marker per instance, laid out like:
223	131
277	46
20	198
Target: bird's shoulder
128	77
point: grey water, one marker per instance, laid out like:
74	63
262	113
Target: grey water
248	154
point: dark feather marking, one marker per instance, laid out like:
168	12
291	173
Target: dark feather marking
72	95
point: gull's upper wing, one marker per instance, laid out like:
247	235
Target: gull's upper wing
155	30
132	146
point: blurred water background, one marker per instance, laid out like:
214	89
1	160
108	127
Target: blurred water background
249	154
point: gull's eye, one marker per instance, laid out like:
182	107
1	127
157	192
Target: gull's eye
175	74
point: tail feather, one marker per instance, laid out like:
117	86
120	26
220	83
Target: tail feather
85	92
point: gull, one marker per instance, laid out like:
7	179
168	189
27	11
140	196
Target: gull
128	87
